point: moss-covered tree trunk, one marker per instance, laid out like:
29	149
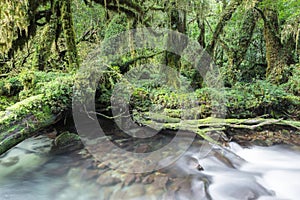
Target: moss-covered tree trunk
276	54
237	54
201	26
225	17
69	34
23	120
244	39
176	43
44	47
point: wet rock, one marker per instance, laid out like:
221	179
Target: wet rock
143	148
135	191
66	142
184	191
132	192
138	178
129	179
223	159
154	190
90	174
52	134
193	163
176	184
161	182
102	165
10	161
105	180
116	195
259	142
148	179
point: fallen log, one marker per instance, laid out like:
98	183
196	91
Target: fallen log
23	119
203	127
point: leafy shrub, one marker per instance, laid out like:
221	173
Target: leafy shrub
258	98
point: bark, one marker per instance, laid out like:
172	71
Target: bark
277	54
176	43
237	54
201	26
69	34
276	58
44	48
225	17
245	36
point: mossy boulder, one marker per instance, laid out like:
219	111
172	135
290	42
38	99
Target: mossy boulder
66	142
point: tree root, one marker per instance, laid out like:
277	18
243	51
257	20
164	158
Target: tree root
203	127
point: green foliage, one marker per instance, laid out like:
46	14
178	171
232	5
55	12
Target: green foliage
13	20
293	84
10	86
286	8
89	20
28	79
9	89
116	26
58	94
258	98
94	24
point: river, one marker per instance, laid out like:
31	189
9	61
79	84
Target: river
236	173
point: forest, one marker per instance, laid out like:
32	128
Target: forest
225	70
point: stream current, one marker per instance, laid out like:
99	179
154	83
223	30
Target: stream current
234	173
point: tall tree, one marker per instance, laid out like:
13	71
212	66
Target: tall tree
278	53
225	17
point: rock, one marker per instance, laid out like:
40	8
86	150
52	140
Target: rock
161	182
135	191
10	161
193	163
148	179
129	179
66	142
102	165
106	180
143	148
90	174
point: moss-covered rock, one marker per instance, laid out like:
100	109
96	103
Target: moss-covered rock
66	142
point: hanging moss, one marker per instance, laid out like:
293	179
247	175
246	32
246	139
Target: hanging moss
69	33
13	19
111	46
44	47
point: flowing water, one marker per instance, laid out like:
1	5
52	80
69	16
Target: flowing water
28	172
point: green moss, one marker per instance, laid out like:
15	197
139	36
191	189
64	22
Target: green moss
44	47
117	25
65	138
69	33
162	118
66	142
